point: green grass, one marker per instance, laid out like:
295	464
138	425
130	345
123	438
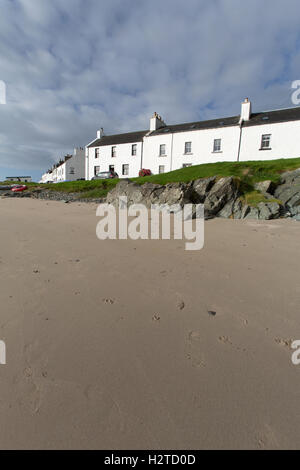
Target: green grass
250	172
253	198
247	173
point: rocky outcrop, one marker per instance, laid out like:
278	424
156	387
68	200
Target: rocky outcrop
148	193
221	197
224	190
213	193
289	192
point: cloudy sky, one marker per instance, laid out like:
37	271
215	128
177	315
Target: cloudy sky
73	66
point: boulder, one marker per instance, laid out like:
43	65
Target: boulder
253	213
289	194
127	188
200	189
222	192
233	209
148	193
269	210
290	177
265	187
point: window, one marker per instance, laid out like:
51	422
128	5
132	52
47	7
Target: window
96	170
188	147
125	170
161	169
111	167
133	149
72	170
162	150
186	165
114	151
97	153
266	142
217	145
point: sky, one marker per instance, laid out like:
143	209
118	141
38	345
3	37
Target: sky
73	66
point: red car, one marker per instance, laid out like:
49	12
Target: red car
145	172
19	188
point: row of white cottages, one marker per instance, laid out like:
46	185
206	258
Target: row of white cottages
162	148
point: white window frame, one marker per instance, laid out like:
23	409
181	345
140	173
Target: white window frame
186	146
217	146
161	167
134	150
161	152
265	143
113	151
96	172
125	169
186	165
97	153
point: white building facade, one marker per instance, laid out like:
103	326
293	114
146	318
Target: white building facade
70	168
247	136
20	179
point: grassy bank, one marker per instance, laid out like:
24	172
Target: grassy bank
248	173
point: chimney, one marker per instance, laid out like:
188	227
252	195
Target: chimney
246	110
100	133
156	122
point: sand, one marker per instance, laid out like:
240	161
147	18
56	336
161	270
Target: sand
110	344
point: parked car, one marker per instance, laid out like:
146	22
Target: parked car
105	175
18	188
144	172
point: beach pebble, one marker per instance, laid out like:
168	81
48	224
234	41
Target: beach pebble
212	313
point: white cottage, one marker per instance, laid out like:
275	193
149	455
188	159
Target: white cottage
70	168
248	136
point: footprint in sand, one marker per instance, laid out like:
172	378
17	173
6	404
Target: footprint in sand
284	342
156	317
181	305
194	350
225	339
108	301
267	438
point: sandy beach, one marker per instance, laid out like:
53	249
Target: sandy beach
141	344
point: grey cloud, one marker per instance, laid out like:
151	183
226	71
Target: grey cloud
76	65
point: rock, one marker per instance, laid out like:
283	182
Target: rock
148	193
290	177
227	210
294	211
222	192
127	188
265	187
253	213
289	194
245	211
175	193
269	210
200	189
237	209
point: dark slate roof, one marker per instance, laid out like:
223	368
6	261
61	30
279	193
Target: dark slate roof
194	126
128	138
273	117
257	119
